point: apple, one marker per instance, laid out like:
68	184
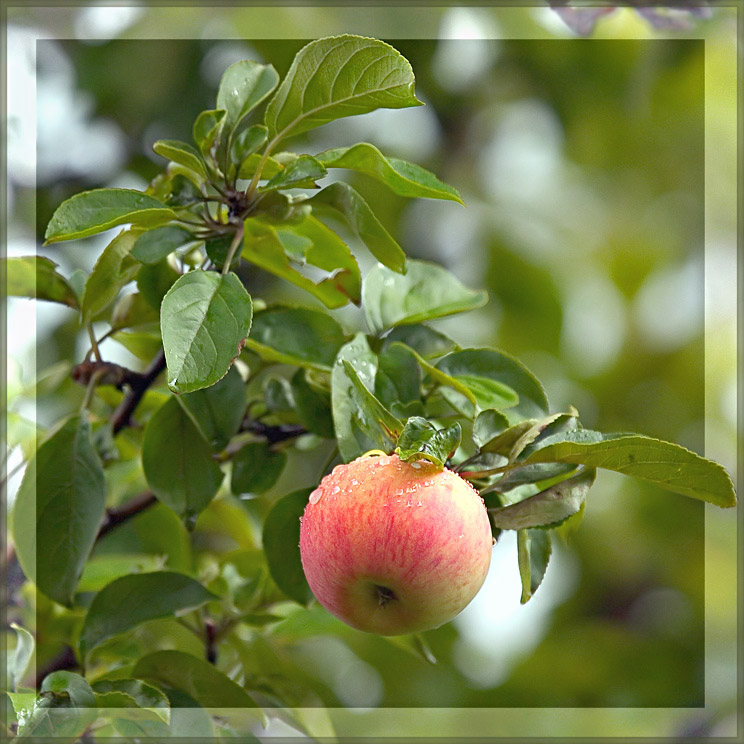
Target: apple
393	547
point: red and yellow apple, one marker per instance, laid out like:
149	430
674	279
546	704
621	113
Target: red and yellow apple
393	547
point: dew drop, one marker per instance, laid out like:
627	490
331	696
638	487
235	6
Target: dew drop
354	482
416	465
335	490
315	496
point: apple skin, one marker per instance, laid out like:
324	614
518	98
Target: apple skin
391	547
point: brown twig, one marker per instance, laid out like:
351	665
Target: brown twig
137	388
115	517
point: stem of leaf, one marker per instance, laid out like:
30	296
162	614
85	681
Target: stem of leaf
259	168
92	383
237	240
94	343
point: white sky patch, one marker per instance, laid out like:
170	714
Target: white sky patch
101	22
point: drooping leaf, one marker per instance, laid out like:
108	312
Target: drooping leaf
58	510
298	336
131	600
217	411
341	200
427	342
197	678
547	508
313	406
424	292
281	540
335	77
177	461
204	319
37	277
19	659
113	269
402	177
243	86
264	248
499	367
154	245
182	153
666	465
533	548
256	468
91	212
300	173
421	439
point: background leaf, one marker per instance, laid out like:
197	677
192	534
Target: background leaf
335	77
91	212
313	406
37	276
154	245
256	468
424	292
204	319
132	600
62	485
281	540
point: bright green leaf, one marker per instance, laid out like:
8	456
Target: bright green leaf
91	212
300	173
339	76
36	276
204	319
402	177
131	600
181	153
62	486
207	129
421	439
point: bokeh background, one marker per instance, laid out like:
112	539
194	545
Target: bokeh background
591	222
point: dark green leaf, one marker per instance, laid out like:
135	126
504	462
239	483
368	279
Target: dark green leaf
313	406
504	442
398	381
197	678
133	310
281	540
341	200
499	367
536	473
427	342
182	153
154	245
36	276
113	269
207	129
488	425
297	336
424	292
666	465
546	508
131	600
243	86
177	461
339	76
300	173
534	549
218	249
533	438
404	178
256	468
218	411
421	439
62	486
19	659
153	282
204	319
277	394
91	212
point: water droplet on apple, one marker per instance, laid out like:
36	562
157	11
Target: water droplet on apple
354	482
315	496
335	490
419	504
416	465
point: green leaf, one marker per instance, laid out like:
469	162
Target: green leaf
143	695
133	310
336	77
296	335
131	600
256	468
277	393
341	200
197	678
217	411
500	368
281	541
71	684
207	129
113	269
36	276
313	406
91	212
533	550
247	142
18	660
154	245
183	154
153	282
533	438
300	173
204	319
58	510
541	474
270	168
425	341
398	381
666	465
421	439
218	249
243	86
177	461
402	177
264	248
547	508
488	425
424	292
